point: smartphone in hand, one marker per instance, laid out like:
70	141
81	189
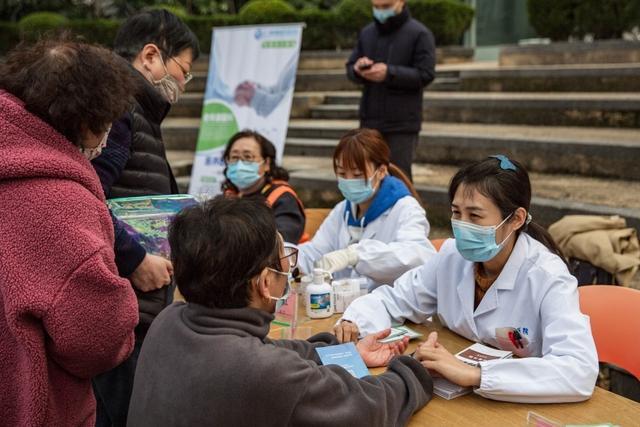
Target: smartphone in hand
365	66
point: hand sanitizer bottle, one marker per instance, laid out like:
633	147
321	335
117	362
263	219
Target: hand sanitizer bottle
318	296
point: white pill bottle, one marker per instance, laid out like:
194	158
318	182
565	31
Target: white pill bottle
319	295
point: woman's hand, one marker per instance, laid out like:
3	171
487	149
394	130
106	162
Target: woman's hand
435	357
375	354
346	331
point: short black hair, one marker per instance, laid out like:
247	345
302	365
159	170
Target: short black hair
72	86
160	27
218	246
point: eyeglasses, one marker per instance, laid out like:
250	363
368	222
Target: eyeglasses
234	159
291	253
187	75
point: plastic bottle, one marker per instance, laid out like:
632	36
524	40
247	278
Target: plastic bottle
318	296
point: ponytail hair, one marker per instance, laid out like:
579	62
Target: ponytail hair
506	183
267	151
359	146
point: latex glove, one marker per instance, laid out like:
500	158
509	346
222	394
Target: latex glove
338	260
153	273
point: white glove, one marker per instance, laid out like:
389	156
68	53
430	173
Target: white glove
339	260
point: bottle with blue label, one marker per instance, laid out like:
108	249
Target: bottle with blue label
319	295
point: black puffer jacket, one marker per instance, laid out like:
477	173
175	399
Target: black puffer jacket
408	48
134	163
147	171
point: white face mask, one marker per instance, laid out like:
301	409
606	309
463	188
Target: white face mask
92	153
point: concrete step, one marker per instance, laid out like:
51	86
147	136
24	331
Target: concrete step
611	153
336	80
620	110
317	188
553	78
556	195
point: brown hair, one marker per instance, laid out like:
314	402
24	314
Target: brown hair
70	85
359	146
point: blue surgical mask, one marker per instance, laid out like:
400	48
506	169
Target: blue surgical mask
477	243
383	14
356	190
283	299
243	174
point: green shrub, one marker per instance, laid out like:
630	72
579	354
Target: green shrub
351	16
177	10
553	18
9	36
322	30
607	19
267	11
560	19
36	24
102	31
202	26
447	19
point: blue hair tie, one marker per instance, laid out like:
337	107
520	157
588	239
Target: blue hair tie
505	163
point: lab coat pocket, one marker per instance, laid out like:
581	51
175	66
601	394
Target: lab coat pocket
511	339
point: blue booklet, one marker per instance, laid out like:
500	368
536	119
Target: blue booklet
345	355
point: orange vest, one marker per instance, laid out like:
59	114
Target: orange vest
282	187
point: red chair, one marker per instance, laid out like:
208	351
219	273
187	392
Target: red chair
615	324
437	243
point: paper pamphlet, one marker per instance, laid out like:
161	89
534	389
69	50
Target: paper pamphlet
472	355
399	332
476	353
345	355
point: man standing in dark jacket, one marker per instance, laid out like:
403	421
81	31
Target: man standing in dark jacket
161	49
395	60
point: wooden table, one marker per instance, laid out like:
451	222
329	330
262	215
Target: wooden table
474	410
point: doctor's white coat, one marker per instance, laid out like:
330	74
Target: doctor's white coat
534	293
389	246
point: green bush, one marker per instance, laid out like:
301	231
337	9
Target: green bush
604	19
267	11
177	10
553	18
202	26
321	31
102	31
447	19
36	24
9	36
350	17
607	19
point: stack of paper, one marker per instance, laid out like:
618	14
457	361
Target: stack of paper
472	355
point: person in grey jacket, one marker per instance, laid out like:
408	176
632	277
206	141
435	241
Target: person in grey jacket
209	362
394	60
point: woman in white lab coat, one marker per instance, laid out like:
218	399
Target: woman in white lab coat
502	282
380	231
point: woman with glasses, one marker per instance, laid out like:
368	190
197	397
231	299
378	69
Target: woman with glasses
252	172
209	362
160	50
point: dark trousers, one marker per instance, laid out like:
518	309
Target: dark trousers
403	149
113	389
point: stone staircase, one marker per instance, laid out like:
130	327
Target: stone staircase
568	124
